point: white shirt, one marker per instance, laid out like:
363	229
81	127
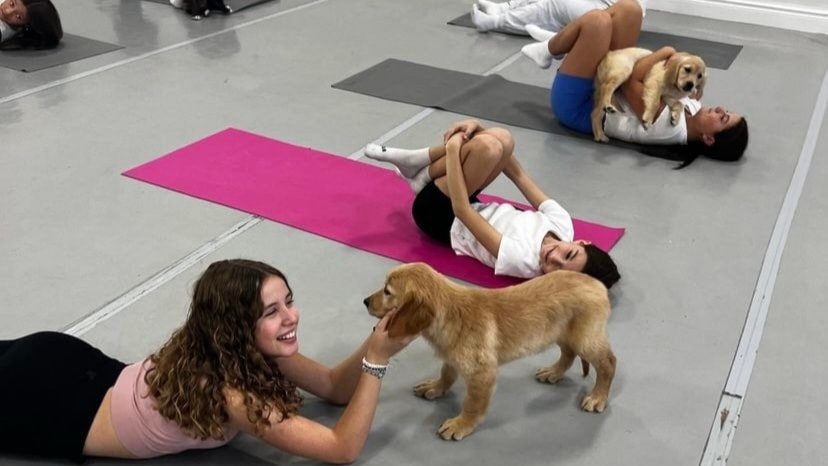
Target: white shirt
522	234
6	32
626	126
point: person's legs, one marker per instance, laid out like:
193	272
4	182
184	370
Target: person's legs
492	148
493	8
627	16
514	20
483	158
587	39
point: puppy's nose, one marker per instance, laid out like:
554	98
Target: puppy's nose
688	87
365	301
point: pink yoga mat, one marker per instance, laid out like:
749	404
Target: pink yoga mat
354	203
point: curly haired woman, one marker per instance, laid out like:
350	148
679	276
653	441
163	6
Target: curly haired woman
233	366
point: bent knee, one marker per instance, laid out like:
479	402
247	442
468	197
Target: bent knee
599	18
632	7
484	144
504	137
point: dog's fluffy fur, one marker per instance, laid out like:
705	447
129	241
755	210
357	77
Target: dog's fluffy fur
475	330
679	76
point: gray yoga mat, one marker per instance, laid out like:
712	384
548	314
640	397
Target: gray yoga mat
71	48
489	97
715	54
234	5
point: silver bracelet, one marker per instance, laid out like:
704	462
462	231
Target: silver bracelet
377	370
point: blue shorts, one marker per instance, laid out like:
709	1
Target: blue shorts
572	101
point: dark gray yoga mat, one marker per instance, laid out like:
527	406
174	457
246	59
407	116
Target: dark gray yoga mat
715	54
489	97
71	48
234	5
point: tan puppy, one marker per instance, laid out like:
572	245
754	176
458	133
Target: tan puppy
681	75
615	68
474	330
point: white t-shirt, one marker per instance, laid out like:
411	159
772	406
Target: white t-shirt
6	32
522	234
626	126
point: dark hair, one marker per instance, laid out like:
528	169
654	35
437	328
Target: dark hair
215	349
728	146
600	265
43	31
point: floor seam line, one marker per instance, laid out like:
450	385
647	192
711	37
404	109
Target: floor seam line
720	438
152	53
154	282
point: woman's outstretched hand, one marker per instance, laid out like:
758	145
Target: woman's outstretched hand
467	127
382	346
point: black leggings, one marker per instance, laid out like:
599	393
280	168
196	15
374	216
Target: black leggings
51	386
433	214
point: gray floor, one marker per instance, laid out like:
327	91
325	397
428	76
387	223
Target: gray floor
78	238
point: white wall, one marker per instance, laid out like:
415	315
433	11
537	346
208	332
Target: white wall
800	15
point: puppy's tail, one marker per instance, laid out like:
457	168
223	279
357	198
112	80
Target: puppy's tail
584	366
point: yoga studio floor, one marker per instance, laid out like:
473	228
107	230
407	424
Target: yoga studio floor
719	318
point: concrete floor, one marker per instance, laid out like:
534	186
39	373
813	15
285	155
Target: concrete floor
78	238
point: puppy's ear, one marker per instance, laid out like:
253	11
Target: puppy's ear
411	318
674	69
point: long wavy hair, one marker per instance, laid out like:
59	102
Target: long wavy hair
216	348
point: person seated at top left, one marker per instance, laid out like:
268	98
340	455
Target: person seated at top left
29	24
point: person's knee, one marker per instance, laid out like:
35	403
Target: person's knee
630	7
598	20
483	146
505	138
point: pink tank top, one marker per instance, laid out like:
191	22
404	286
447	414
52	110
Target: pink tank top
140	428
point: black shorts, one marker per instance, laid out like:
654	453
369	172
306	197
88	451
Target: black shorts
51	386
433	214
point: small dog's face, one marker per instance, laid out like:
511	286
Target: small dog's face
383	301
403	292
688	73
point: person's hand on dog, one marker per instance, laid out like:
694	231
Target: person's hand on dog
381	346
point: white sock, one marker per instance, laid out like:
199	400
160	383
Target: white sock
484	22
418	181
409	162
539	53
177	3
538	33
493	8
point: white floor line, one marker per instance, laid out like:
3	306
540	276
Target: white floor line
127	61
394	132
720	440
142	289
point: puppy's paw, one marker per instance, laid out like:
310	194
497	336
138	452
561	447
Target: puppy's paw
601	138
594	403
549	374
456	428
647	125
674	120
610	109
429	389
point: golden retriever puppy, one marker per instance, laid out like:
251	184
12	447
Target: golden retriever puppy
613	70
681	75
474	330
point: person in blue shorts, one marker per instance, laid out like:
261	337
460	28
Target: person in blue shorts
711	131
